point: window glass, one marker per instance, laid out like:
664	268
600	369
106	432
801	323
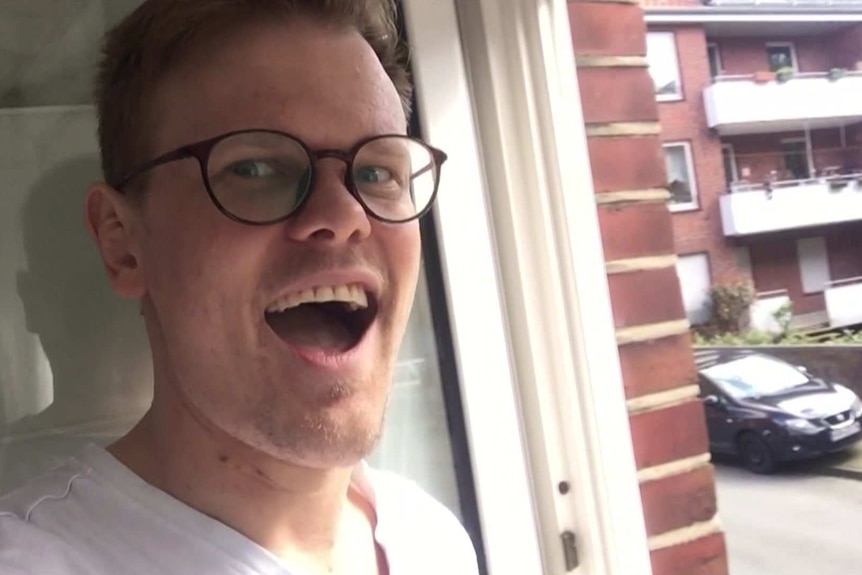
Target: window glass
755	375
743	261
693	272
663	65
728	157
680	176
813	264
795	158
714	60
780	56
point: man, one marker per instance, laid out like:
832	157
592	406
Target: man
261	203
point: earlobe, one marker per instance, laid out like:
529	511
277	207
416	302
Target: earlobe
114	224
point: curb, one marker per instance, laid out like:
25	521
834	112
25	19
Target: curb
843	473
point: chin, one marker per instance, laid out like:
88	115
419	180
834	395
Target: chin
336	436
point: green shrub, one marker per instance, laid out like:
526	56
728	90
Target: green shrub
755	338
730	305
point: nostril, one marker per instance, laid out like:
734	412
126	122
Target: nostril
324	234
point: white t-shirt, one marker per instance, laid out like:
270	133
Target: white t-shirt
94	516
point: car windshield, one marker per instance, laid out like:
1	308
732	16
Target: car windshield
755	375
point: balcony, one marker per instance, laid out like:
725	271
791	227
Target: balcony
789	205
842	302
765	311
759	104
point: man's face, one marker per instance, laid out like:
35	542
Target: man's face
299	386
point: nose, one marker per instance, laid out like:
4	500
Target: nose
330	214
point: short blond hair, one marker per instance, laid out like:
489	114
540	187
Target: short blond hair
141	49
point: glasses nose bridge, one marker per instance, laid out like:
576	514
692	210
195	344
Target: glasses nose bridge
345	157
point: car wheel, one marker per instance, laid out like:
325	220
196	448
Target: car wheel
755	454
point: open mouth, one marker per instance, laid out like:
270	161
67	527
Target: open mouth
333	319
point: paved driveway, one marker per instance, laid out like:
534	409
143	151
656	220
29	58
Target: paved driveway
792	523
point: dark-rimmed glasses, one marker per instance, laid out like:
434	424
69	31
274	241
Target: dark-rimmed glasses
261	177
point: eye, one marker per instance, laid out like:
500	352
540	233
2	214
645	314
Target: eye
252	169
372	175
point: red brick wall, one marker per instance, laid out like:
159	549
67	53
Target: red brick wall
847	47
698	231
845	256
637	229
748	55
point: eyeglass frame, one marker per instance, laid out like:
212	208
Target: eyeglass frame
202	150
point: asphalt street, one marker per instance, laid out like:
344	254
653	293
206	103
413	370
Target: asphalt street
793	523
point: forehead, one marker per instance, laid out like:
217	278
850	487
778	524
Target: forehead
322	84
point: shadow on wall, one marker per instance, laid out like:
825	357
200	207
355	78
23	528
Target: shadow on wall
93	341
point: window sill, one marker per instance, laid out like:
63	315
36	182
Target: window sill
683	208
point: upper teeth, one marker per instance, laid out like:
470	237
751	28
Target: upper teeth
353	295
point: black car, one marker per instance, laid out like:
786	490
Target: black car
766	411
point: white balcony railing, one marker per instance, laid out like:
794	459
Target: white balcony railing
764	314
742	104
844	302
777	206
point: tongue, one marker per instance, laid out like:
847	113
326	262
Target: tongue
311	326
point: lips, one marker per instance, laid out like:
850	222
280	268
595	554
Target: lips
331	319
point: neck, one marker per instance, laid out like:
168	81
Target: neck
309	518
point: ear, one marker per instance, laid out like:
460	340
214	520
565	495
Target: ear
115	226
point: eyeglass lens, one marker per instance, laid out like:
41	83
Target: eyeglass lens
262	176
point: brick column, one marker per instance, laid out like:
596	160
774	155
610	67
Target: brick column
667	420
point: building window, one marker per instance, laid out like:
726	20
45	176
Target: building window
694	281
714	56
813	264
794	153
680	176
743	261
781	55
664	66
731	172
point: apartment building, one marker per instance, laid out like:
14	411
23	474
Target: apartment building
760	104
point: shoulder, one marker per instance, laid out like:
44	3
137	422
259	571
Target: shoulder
410	516
41	492
33	520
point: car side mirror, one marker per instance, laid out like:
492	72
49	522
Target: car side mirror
713	401
803	369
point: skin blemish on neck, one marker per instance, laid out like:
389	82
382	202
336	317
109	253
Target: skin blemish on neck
223	458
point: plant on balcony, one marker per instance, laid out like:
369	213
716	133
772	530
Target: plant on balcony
784	74
763	77
835	74
837	185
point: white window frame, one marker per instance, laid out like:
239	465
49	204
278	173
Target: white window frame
476	308
716	50
540	375
694	204
790	45
680	94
